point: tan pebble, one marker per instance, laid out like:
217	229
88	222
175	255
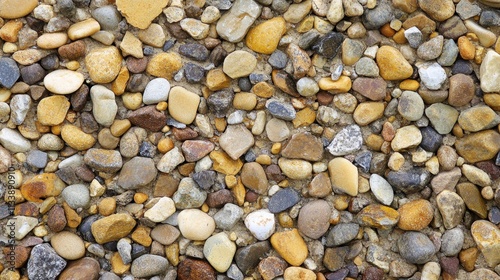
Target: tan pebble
119	127
52	110
343	84
52	40
120	83
344	176
304	117
9	47
468	258
224	164
415	215
130	45
63	81
230	180
183	104
83	29
263	89
217	80
299	273
220	124
76	138
141	13
399	37
305	25
406	137
113	227
72	217
68	245
10	9
368	112
141	235
162	106
374	142
172	254
239	64
264	38
10	30
117	265
409	84
153	36
132	101
107	206
290	246
165	145
245	101
103	64
392	64
263	159
488	193
466	48
164	65
195	28
73	65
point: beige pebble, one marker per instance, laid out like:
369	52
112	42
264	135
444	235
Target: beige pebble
63	81
52	40
83	29
183	104
344	176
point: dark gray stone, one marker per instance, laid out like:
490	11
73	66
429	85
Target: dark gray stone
220	4
168	44
244	84
278	59
146	149
280	109
84	228
489	18
283	200
249	257
205	179
431	140
220	102
308	39
44	263
50	62
376	18
416	247
363	160
193	73
341	234
410	181
462	67
329	45
9	72
66	7
32	74
194	51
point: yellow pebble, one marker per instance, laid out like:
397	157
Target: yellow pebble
399	37
409	84
220	124
93	209
9	47
276	148
119	127
165	145
231	181
263	159
73	65
205	208
140	197
165	129
56	129
161	106
132	101
284	184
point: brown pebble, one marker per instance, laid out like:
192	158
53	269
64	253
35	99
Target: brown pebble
219	198
136	65
166	185
73	51
468	258
184	134
190	269
82	269
148	117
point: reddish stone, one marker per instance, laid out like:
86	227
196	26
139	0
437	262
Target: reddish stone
490	168
195	150
184	134
219	198
82	269
371	88
190	269
149	118
72	51
271	267
29	209
19	255
56	219
324	98
136	65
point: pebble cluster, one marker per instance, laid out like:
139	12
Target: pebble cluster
250	139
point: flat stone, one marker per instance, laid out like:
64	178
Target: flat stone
489	72
253	177
472	199
478	146
13	141
303	146
406	137
478	118
281	110
219	251
68	245
290	246
163	209
381	189
188	195
239	63
378	216
234	24
165	234
341	234
148	117
344	176
329	44
76	196
442	117
416	247
236	141
103	160
52	110
140	13
295	168
104	107
283	200
373	89
44	263
112	228
487	237
148	265
195	269
411	106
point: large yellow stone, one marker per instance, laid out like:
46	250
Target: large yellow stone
343	84
10	9
290	246
52	110
76	138
264	38
344	176
112	228
140	13
183	104
368	112
103	64
487	237
392	64
480	146
164	65
224	164
42	186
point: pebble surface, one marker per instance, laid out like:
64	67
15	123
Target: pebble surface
250	139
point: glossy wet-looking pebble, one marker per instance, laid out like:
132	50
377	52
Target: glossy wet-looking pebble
250	139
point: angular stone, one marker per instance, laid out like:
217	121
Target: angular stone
283	200
234	24
42	186
303	146
392	64
136	173
473	199
487	237
236	141
44	263
347	141
452	208
442	117
148	117
140	13
372	88
480	146
344	176
112	228
478	118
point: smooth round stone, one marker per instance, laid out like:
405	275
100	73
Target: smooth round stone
392	64
452	242
239	64
14	141
431	270
245	101
104	107
183	104
314	218
76	138
307	87
452	208
148	265
107	16
416	247
77	196
439	11
296	273
341	234
85	268
264	38
68	245
156	91
165	234
163	209
406	137
344	176
277	130
461	90
52	110
103	64
254	177
374	89
489	72
381	189
52	40
290	246
295	169
368	112
219	251
484	273
415	215
136	173
83	29
431	49
283	200
411	106
487	237
63	81
10	9
195	225
260	223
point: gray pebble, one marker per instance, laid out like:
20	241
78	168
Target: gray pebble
416	247
452	242
37	159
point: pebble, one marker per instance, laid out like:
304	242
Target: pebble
87	268
313	219
411	106
143	14
432	74
303	146
52	110
44	263
442	117
283	200
236	141
452	242
253	177
290	246
164	65
112	227
414	37
76	196
148	265
415	215
483	273
344	176
219	251
452	208
148	117
461	90
195	224
68	245
63	81
163	209
13	141
195	269
183	104
188	195
409	181
295	168
281	110
392	64
233	25
129	178
278	59
368	112
472	199
431	49
489	73
373	89
239	64
264	38
406	138
19	106
381	189
478	146
104	107
228	216
449	53
487	235
416	247
156	91
260	223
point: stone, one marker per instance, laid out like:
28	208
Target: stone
195	28
165	234
432	75
148	117
488	72
195	224
411	106
140	13
452	242
68	245
281	110
341	234
239	64
148	265
472	199
253	177
483	273
234	24
163	209
373	89
295	168
290	246
415	215
196	52
442	117
195	269
478	146
347	141
103	64
283	200
409	181
414	37
11	9
76	196
104	107
406	137
131	45
478	118
438	11
381	189
264	38
236	141
313	219
378	16
112	228
183	104
63	81
107	16
188	195
344	176
368	112
19	106
260	223
487	235
219	251
44	263
164	65
378	216
83	29
461	90
416	247
452	208
52	110
392	64
103	160
85	268
303	146
13	141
